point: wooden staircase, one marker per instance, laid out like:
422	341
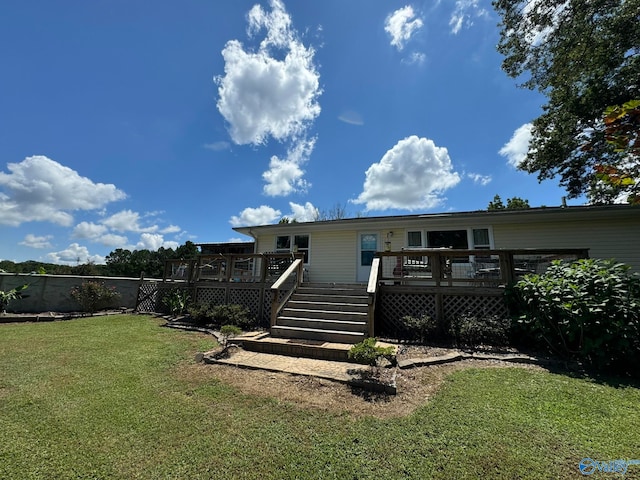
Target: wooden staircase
318	321
325	312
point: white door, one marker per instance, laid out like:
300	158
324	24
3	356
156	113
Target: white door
367	247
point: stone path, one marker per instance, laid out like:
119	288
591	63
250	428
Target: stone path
338	371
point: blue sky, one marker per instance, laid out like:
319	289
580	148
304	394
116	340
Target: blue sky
129	124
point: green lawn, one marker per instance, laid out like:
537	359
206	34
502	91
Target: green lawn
99	398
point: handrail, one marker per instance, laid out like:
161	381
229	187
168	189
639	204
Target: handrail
446	266
277	306
372	290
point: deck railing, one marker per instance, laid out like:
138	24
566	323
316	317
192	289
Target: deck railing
246	268
483	268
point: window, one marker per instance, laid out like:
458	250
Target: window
481	238
481	241
292	243
414	239
470	238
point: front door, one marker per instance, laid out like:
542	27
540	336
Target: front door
367	247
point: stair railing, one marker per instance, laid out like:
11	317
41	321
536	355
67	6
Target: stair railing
372	291
295	270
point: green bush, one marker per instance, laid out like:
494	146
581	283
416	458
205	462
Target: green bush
472	330
588	309
176	300
13	294
367	353
93	296
220	315
420	328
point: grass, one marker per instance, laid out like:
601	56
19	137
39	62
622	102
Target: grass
101	398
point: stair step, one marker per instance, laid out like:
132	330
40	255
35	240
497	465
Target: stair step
336	336
322	324
330	298
349	292
299	348
324	314
314	305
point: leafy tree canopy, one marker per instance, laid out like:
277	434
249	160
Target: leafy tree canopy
584	56
514	203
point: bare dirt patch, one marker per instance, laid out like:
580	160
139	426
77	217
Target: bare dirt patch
416	386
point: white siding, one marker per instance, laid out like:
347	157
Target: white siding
619	240
333	257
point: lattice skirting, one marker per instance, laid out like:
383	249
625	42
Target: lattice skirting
392	307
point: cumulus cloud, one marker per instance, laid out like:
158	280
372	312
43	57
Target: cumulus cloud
263	96
401	25
263	215
480	179
88	230
272	92
285	175
303	213
127	221
74	254
516	149
412	175
464	13
34	241
153	241
41	189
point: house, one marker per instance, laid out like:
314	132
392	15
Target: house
342	251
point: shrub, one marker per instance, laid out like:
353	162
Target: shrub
13	294
176	301
589	309
208	313
93	296
420	328
229	331
367	353
472	330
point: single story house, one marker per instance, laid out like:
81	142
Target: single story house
341	251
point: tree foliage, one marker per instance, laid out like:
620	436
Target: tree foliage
585	57
514	203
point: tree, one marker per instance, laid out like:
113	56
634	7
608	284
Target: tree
584	56
514	203
517	203
496	204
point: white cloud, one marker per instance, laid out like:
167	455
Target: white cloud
412	175
285	175
171	229
88	230
153	241
263	215
351	117
240	240
516	149
303	213
401	25
463	14
33	241
41	189
74	254
127	221
263	96
416	58
480	179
